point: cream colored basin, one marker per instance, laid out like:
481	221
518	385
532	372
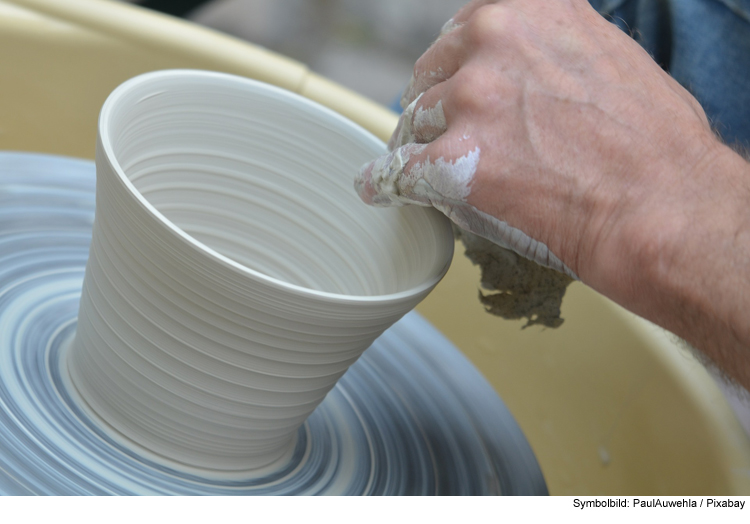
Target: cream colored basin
608	402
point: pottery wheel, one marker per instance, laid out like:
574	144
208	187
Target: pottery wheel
412	416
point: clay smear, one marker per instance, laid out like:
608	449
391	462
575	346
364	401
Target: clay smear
451	180
429	123
448	27
419	124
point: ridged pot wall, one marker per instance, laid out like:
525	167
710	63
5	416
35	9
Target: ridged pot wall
234	275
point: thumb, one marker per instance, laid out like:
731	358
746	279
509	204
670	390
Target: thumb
409	175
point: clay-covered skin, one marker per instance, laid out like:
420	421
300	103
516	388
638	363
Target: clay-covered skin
590	152
441	182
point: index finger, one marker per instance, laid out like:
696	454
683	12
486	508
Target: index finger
442	58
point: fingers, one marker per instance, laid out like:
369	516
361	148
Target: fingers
379	182
467	11
436	65
424	174
421	174
443	58
404	129
423	121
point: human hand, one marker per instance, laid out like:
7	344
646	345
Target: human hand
542	127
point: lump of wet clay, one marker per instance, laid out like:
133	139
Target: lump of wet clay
513	286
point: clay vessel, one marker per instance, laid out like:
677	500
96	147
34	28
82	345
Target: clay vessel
234	275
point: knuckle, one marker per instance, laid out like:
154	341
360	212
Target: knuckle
419	66
466	95
490	24
422	78
429	66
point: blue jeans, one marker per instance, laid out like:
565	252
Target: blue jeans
704	45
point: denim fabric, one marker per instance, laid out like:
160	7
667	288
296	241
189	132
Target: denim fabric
704	45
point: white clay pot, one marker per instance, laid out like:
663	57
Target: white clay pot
234	275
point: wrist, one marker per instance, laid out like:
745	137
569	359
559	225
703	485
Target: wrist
639	230
683	260
675	209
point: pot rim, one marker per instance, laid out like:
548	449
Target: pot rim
302	103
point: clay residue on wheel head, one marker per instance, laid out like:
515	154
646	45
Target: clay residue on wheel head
513	286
